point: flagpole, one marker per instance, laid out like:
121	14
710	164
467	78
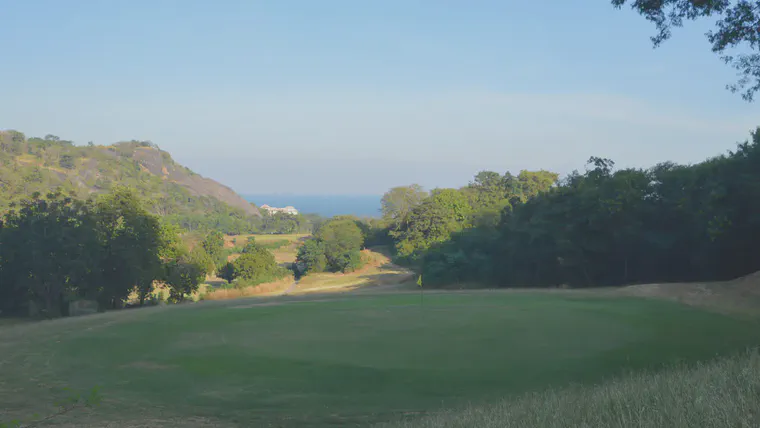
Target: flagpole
419	282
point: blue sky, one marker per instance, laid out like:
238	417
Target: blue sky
354	97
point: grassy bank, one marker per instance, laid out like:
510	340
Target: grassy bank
723	393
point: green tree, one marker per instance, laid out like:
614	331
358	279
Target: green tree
342	239
131	249
227	272
250	246
48	251
488	196
185	275
213	244
280	223
445	212
311	257
736	29
171	244
532	183
398	203
668	223
257	266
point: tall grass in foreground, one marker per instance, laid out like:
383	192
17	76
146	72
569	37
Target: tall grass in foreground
724	393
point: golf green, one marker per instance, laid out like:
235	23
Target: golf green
347	361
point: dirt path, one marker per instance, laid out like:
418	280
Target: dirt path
290	289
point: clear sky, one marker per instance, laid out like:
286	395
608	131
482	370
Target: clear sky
349	97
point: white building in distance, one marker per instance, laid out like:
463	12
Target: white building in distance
287	210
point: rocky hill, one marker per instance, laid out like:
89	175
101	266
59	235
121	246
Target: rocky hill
43	164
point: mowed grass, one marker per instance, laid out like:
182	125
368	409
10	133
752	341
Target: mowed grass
351	361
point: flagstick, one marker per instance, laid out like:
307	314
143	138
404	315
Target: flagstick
419	282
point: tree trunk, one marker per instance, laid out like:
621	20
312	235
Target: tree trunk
589	283
52	307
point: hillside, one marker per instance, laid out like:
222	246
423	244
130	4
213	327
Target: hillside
43	164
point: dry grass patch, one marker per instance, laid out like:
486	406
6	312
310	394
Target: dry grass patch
377	272
239	240
268	289
286	254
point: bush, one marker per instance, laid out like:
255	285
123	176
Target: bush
213	244
185	275
273	275
311	257
348	261
255	266
227	272
336	247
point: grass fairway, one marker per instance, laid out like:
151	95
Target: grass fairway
356	360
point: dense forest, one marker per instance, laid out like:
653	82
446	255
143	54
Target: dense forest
602	227
57	249
111	250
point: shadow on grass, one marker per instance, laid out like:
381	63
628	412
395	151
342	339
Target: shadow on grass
10	321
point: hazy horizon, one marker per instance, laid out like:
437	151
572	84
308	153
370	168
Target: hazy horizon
324	205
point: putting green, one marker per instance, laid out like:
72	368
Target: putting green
348	361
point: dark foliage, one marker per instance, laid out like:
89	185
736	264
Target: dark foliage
738	26
56	249
335	247
606	227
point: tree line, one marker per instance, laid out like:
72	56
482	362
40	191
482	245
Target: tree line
56	249
601	227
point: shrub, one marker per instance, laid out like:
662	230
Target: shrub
311	257
255	266
348	261
227	272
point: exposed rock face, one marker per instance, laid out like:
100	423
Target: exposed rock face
159	163
41	165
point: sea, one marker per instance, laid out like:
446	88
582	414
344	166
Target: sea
324	205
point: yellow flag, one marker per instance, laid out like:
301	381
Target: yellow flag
419	281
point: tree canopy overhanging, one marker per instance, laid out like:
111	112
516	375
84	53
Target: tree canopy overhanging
737	30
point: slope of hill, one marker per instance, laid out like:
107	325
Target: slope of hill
43	164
